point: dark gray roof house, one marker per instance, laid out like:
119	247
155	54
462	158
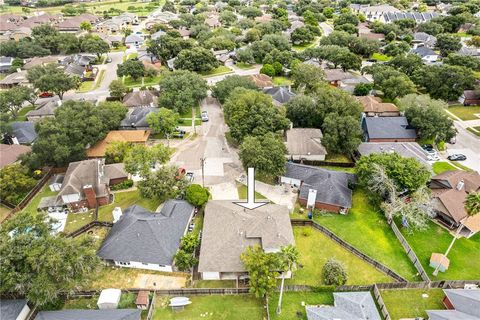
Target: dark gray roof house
45	109
136	118
425	38
417	16
347	306
148	237
24	131
13	309
387	129
5	63
332	187
77	314
280	95
462	304
423	52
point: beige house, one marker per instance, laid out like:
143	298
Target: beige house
305	144
374	107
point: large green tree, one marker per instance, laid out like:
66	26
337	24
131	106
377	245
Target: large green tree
40	265
341	134
96	45
306	77
132	68
50	78
162	184
249	112
472	203
11	100
263	269
181	90
224	88
264	153
164	121
15	183
391	82
448	44
196	59
140	159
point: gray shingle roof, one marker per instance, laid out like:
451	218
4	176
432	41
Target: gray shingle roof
137	117
424	51
388	128
76	314
332	186
348	306
305	141
148	237
405	149
24	131
465	300
140	98
10	309
280	94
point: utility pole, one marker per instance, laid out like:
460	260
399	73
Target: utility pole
202	163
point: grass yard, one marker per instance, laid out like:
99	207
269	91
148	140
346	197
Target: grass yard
147	81
100	77
217	71
77	220
97	233
127	301
231	307
214	284
292	304
338	158
242	192
465	113
409	303
380	57
33	204
337	168
475	130
316	248
302	47
124	200
442	166
437	239
22	114
366	229
4	211
85	86
281	81
244	66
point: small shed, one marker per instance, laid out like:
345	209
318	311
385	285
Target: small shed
438	259
55	183
142	300
109	299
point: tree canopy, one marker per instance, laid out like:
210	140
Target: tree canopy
224	88
50	78
196	59
264	153
164	121
15	183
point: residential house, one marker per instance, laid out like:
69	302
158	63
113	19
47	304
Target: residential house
213	21
405	149
229	229
87	184
263	18
374	107
9	153
5	64
160	17
305	144
147	240
373	13
17	33
223	55
73	24
460	304
469	98
336	76
261	80
365	32
44	109
41	61
24	132
419	17
427	54
14	309
136	118
387	129
422	39
158	34
14	79
142	98
82	314
184	33
280	95
109	27
80	65
113	40
469	51
449	191
347	306
132	136
134	40
320	188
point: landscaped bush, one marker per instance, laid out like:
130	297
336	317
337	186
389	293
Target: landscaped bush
197	195
334	273
122	185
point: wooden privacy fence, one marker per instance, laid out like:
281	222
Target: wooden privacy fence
151	307
410	253
381	305
349	247
89	226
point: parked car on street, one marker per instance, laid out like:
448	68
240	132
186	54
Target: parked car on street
204	116
427	147
45	95
457	157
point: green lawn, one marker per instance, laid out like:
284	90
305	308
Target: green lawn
316	248
437	239
331	157
214	284
335	168
380	57
366	228
292	304
217	71
127	300
85	86
474	130
465	113
22	114
33	204
302	47
242	192
147	81
131	56
125	200
77	220
442	166
244	66
409	303
281	81
100	77
231	307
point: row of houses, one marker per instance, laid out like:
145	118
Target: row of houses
386	13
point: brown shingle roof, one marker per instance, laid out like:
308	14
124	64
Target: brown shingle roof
374	104
140	98
10	153
305	141
134	136
261	80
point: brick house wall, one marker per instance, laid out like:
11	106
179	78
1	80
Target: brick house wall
117	181
322	206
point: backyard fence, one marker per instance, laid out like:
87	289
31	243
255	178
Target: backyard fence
151	307
89	226
381	305
349	247
410	253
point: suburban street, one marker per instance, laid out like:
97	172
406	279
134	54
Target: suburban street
468	144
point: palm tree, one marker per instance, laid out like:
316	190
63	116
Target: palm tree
288	259
472	203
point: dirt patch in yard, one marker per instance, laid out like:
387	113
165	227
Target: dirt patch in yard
155	281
